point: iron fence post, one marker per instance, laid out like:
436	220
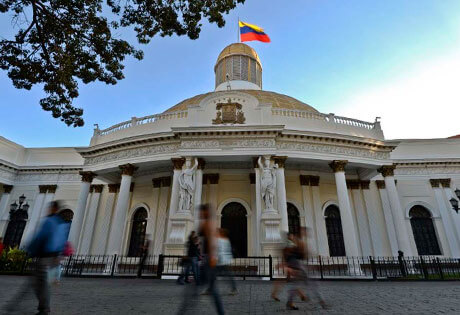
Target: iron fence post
402	265
112	272
270	265
160	266
438	263
68	265
424	269
373	268
321	267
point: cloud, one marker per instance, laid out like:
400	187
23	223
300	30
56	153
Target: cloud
423	103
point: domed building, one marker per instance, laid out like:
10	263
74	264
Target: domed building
266	162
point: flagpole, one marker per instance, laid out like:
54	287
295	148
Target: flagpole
238	33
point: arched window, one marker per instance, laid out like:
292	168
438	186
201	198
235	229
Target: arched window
423	229
235	222
67	216
138	229
15	229
293	219
334	231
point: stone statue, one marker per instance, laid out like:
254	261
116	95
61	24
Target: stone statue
267	182
187	185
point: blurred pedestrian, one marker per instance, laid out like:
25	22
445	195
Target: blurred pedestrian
55	272
207	232
224	258
191	261
282	266
47	246
143	253
1	246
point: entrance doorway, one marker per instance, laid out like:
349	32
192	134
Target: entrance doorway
235	222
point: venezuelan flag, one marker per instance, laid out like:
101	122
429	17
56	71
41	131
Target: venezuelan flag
250	32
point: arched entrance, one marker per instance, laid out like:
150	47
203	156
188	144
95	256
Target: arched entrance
138	229
235	222
293	219
334	231
423	229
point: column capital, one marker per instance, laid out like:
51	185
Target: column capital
156	182
304	180
434	183
338	165
252	178
280	160
353	183
178	163
7	189
96	188
387	170
166	181
314	180
128	169
201	163
52	189
380	184
445	182
113	188
213	179
87	176
42	189
364	184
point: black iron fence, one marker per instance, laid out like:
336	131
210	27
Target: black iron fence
161	266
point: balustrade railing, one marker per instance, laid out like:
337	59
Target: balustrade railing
408	268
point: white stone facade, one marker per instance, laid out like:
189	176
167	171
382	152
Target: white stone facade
318	161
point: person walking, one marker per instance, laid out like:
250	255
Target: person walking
191	262
47	246
224	258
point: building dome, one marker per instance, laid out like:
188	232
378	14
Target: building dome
277	100
238	67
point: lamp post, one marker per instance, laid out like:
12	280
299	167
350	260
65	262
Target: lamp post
18	219
454	202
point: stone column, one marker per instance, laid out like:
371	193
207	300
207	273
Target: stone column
198	192
321	233
399	220
258	205
374	223
79	214
361	218
450	219
389	222
103	228
90	220
281	192
4	208
255	219
119	217
162	217
309	213
50	192
34	215
349	235
213	193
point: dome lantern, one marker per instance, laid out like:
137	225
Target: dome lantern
238	67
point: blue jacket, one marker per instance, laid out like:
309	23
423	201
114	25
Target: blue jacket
50	239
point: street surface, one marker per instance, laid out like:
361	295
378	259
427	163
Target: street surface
148	296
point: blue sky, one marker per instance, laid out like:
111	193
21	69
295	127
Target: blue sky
396	59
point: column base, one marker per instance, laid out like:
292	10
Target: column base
179	228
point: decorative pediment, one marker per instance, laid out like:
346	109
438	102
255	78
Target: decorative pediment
229	113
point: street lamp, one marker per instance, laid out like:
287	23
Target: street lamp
16	209
454	202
